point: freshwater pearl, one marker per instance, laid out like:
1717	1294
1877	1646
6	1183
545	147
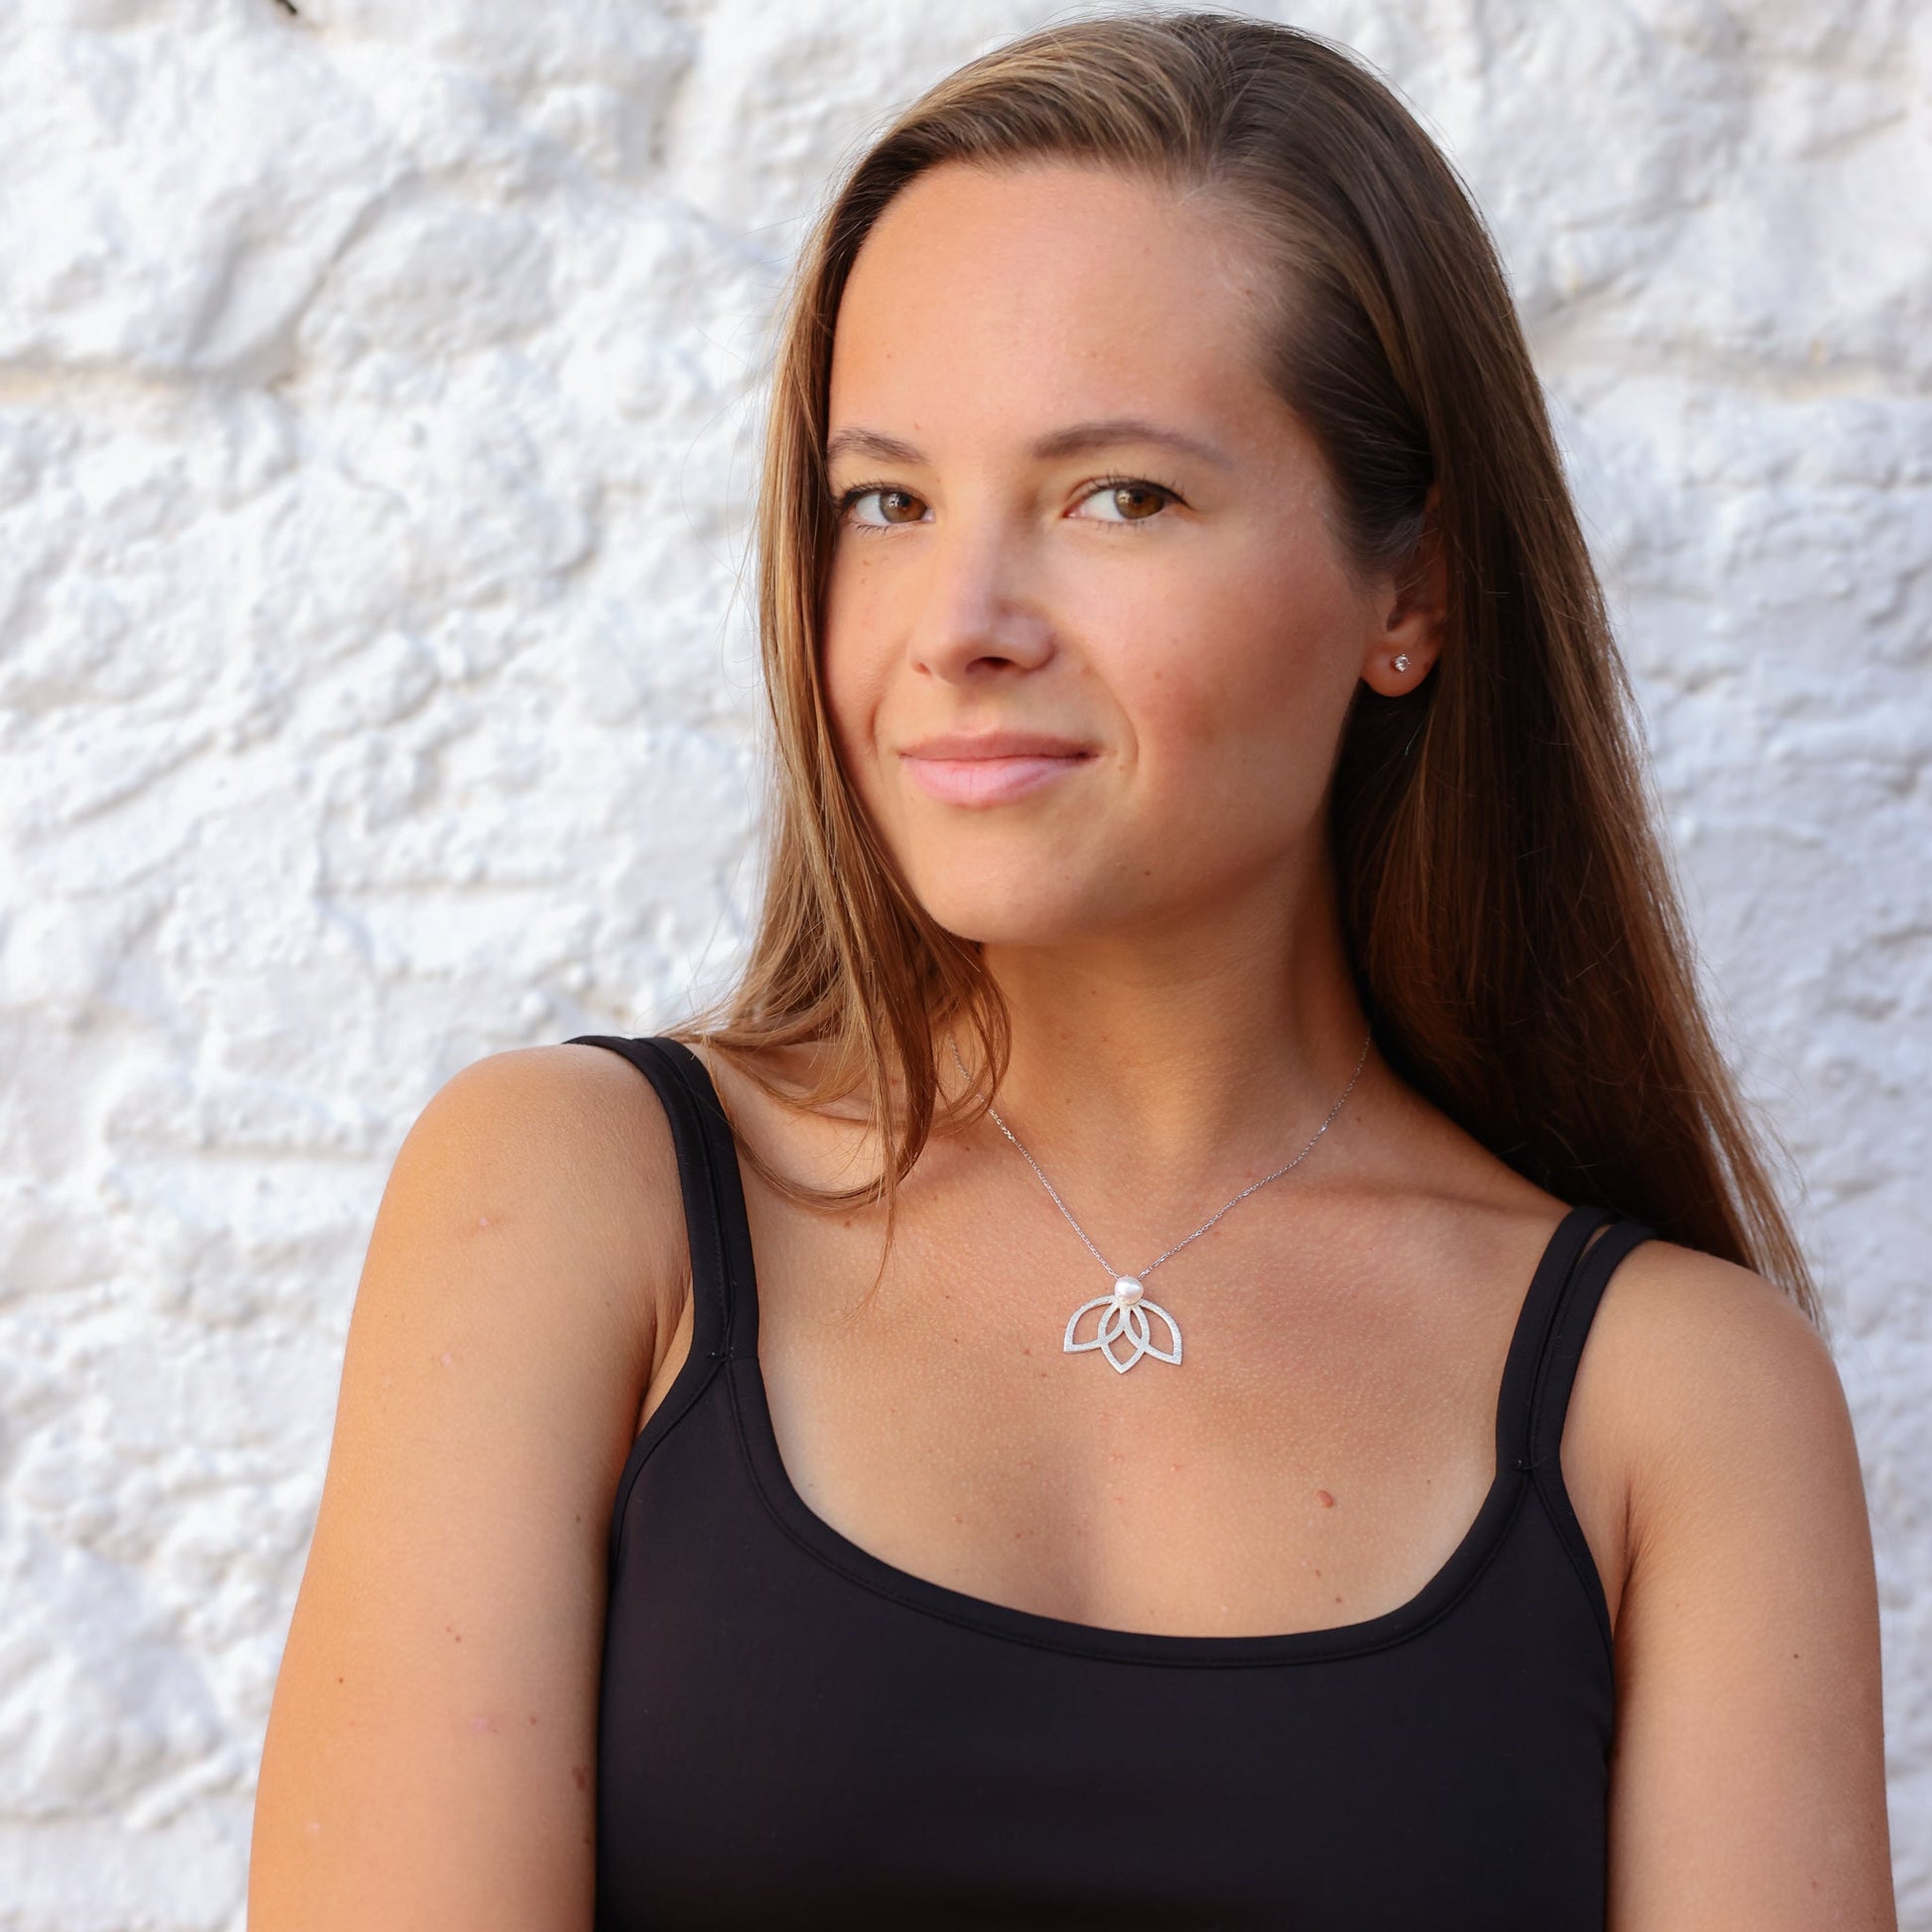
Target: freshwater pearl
1126	1291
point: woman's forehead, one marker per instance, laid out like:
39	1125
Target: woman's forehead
1057	292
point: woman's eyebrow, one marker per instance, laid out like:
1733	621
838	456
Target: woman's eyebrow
1076	438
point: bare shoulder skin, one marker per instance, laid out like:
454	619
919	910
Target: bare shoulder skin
1749	1776
430	1753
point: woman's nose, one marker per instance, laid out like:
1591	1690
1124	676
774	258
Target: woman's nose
977	611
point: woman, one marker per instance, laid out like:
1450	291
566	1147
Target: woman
1208	838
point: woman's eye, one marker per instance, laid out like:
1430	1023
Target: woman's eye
1122	500
1130	500
893	504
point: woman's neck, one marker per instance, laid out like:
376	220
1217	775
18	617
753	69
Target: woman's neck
1187	1057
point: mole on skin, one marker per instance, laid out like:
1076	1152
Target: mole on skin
1324	1499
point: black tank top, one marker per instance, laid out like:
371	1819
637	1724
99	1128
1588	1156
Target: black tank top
794	1732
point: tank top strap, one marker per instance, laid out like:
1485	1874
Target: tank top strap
1542	1366
723	1295
1523	1367
1574	1309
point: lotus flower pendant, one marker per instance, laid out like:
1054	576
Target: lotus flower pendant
1124	1332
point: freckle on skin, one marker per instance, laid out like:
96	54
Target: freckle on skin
581	1779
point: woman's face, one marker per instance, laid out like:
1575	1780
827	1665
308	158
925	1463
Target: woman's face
1088	635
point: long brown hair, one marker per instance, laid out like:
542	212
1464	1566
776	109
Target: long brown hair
1511	917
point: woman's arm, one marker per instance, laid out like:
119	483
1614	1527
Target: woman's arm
430	1753
1749	1776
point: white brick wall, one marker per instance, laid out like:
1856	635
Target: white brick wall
377	406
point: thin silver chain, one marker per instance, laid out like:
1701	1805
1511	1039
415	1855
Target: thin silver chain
1142	1274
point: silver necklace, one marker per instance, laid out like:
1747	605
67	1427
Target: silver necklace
1124	1310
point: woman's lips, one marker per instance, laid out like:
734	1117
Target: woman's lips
988	781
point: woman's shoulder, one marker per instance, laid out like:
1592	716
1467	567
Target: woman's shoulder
1697	1380
509	1313
533	1221
1717	1402
572	1141
534	1206
1713	1375
1751	1761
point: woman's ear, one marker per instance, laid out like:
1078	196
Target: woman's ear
1415	611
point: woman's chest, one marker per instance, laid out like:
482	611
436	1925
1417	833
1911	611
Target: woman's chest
1319	1451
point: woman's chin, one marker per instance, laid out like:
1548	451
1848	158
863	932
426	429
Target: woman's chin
989	917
